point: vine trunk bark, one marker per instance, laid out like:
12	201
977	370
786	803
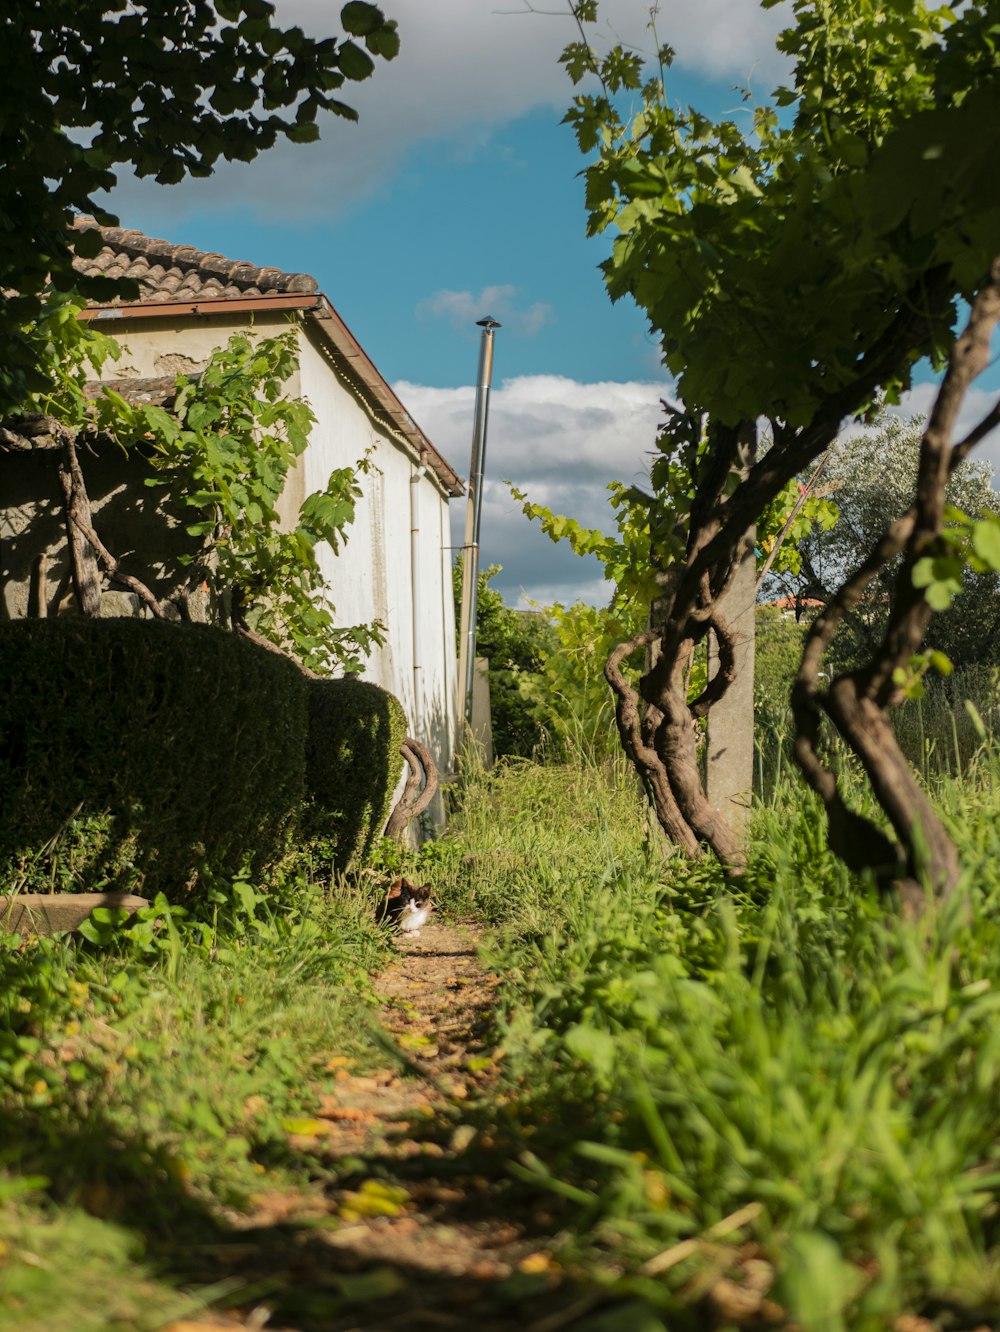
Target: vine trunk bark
921	856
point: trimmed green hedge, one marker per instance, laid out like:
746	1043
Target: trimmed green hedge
352	766
145	756
137	754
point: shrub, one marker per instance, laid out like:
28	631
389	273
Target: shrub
144	756
514	642
352	766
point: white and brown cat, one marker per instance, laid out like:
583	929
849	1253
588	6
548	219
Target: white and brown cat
406	907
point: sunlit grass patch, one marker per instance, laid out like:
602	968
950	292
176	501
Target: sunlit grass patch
681	1050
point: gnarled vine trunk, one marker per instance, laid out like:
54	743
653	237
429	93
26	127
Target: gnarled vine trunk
657	724
413	801
922	856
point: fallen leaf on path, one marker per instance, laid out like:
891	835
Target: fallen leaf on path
306	1128
535	1262
411	1040
373	1199
463	1136
186	1325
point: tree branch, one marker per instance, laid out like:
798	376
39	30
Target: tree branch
410	805
76	507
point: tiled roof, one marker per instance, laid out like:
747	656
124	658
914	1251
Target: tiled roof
167	272
181	276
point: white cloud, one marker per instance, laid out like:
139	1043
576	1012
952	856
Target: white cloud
978	401
560	440
462	308
465	67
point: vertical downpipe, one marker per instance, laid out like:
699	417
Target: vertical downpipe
416	478
473	515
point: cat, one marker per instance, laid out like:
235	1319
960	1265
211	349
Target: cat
406	907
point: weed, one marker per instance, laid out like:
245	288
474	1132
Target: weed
681	1051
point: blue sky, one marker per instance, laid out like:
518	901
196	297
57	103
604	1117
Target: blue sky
458	195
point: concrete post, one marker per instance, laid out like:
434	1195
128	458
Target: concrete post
729	739
53	913
480	731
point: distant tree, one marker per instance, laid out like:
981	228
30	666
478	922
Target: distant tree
514	642
567	694
872	476
87	85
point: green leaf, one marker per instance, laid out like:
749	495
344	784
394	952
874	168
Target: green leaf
817	1283
360	19
304	132
986	541
592	1046
355	63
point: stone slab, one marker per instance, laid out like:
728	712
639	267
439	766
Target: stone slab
54	913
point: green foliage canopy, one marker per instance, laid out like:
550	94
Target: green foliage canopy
88	85
795	270
861	199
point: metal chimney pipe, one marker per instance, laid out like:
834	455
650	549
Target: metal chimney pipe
473	514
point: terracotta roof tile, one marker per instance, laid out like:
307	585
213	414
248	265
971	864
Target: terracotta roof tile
180	274
167	272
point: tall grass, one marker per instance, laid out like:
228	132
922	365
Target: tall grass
146	1082
942	733
772	1075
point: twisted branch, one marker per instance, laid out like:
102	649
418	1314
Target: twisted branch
410	805
636	730
857	702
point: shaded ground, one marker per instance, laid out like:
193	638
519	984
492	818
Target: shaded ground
418	1223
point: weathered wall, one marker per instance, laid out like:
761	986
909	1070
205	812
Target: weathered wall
127	516
159	346
372	577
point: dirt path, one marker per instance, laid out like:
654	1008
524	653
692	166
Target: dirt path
420	1224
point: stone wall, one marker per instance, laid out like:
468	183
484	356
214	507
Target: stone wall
128	515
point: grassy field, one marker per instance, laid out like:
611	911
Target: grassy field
770	1093
742	1104
146	1088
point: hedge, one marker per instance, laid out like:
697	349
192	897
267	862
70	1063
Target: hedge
137	754
352	766
145	756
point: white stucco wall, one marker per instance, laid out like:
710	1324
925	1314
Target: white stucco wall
372	577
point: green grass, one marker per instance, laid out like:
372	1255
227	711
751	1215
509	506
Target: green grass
680	1051
703	1080
143	1089
62	1270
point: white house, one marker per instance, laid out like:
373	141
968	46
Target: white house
396	566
